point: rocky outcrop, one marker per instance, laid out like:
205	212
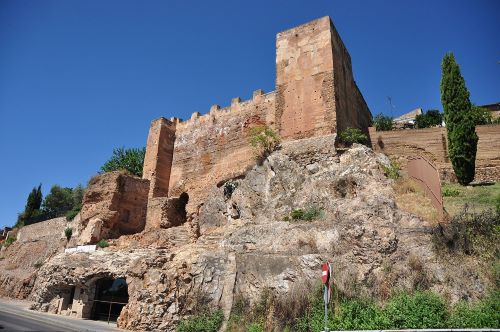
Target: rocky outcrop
19	262
249	242
114	204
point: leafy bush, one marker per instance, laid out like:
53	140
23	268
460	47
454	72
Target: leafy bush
68	232
297	214
102	244
264	140
497	204
383	122
420	310
392	171
131	160
496	120
429	119
484	314
308	214
70	215
450	191
8	241
481	115
205	322
353	135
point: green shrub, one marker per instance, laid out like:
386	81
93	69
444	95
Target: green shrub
68	232
382	122
131	160
205	322
429	119
264	140
497	204
352	135
481	115
449	191
102	244
9	241
484	314
420	310
310	213
392	171
70	215
496	120
255	327
297	214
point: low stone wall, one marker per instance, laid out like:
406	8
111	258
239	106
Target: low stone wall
432	144
49	228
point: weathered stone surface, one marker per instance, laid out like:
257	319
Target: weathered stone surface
20	261
114	204
372	244
166	212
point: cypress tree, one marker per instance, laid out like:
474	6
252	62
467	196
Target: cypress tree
460	124
34	201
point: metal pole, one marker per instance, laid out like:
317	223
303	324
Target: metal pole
109	313
325	297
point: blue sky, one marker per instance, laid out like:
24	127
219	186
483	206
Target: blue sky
79	78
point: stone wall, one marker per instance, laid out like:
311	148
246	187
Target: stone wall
214	147
432	144
49	228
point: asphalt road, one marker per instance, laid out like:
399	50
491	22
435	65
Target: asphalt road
16	317
13	322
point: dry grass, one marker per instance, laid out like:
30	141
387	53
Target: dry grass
478	198
411	198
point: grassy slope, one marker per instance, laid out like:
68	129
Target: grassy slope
478	198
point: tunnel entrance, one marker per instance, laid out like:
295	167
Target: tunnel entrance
111	295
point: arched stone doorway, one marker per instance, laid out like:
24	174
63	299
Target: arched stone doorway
111	295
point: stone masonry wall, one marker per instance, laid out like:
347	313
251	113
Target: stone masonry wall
432	144
304	80
49	228
212	148
350	107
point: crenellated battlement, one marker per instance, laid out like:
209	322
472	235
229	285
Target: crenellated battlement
217	112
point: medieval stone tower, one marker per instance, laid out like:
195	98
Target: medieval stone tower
315	95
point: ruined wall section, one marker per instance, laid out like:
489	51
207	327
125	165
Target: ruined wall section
215	147
159	154
350	107
304	81
432	144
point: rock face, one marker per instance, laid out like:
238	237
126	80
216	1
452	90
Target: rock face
114	204
249	243
20	261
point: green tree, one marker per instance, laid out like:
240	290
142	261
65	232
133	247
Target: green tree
429	119
481	115
460	124
382	122
58	202
131	160
32	208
